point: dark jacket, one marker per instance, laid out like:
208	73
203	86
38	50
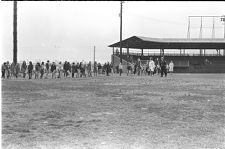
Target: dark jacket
163	64
30	68
53	67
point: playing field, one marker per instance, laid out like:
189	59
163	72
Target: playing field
185	111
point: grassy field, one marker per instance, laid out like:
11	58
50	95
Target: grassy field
182	111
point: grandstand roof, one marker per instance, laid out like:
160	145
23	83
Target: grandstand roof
137	42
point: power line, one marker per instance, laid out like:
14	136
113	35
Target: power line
154	19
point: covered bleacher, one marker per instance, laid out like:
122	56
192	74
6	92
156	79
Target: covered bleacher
203	50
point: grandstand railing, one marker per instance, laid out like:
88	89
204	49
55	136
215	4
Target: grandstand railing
165	54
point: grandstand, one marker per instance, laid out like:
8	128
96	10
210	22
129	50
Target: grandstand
205	61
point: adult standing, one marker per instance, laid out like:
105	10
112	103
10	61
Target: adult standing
163	67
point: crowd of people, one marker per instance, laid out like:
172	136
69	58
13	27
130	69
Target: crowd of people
54	70
41	70
151	67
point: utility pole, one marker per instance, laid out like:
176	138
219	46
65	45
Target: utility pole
94	56
223	20
15	32
200	34
188	33
121	11
213	29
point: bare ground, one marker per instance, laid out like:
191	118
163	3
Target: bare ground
182	111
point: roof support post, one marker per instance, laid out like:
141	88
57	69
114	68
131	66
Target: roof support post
161	52
142	52
127	51
113	57
113	51
200	52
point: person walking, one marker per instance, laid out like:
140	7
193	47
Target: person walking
7	70
163	67
47	65
89	69
95	69
53	70
37	70
128	69
78	70
24	69
17	70
171	66
151	66
73	69
108	68
42	69
120	68
30	70
60	69
3	69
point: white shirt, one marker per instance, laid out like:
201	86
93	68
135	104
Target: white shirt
152	65
120	66
171	65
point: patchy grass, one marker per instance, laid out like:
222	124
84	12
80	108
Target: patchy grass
180	111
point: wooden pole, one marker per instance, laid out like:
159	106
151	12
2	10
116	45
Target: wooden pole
121	7
15	32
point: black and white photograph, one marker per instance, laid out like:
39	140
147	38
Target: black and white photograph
112	74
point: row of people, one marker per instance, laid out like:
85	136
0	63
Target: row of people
42	70
82	69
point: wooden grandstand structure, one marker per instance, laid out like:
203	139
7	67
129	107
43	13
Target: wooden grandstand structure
184	62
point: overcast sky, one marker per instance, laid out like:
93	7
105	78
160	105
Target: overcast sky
69	30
